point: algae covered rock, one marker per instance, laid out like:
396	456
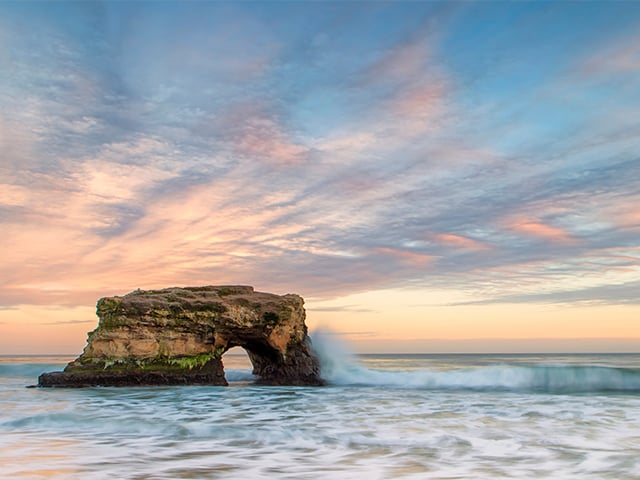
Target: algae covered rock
177	336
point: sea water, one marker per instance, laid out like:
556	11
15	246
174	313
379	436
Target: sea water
380	417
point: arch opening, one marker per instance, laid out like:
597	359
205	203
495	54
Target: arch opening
237	366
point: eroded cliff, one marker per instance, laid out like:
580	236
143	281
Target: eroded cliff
177	336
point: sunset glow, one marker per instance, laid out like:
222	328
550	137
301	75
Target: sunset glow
429	176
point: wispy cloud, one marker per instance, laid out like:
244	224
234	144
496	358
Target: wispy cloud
341	308
459	241
335	156
620	56
68	322
620	294
541	230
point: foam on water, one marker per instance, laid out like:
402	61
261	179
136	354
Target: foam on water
379	419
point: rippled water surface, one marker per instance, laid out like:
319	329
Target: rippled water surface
382	417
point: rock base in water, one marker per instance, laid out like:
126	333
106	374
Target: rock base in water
212	374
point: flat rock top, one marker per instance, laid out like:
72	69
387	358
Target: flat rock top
209	292
195	298
206	291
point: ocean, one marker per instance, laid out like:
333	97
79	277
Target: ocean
380	417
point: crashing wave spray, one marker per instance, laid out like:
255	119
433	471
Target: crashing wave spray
339	366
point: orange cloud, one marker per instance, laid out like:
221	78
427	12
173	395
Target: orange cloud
631	219
542	230
459	241
407	256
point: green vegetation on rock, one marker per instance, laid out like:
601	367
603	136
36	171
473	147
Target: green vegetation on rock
190	363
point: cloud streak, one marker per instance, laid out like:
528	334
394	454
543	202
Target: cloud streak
621	294
69	322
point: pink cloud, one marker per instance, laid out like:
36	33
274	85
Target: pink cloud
627	217
406	256
541	230
253	130
632	219
265	139
458	241
421	87
621	57
420	100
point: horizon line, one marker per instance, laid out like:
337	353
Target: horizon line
43	355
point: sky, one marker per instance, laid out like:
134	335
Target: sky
429	176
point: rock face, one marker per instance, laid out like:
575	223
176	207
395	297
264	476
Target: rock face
177	336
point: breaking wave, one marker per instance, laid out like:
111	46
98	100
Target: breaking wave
340	367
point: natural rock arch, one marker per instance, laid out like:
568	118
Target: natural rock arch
178	336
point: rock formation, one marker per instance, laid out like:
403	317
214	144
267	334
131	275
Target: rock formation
177	336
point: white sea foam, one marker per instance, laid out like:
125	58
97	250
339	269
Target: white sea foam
370	425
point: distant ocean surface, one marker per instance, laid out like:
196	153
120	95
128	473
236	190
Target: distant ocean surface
382	417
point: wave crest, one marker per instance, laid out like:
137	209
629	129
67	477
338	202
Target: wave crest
340	367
